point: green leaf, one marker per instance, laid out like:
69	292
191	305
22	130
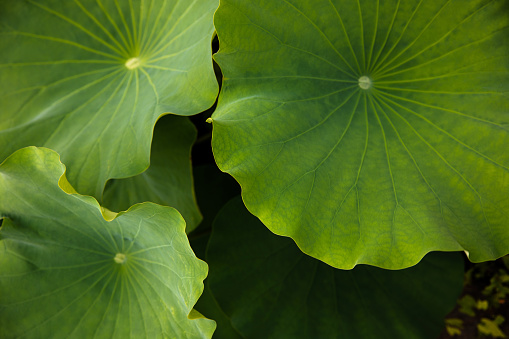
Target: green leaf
213	190
89	78
168	180
482	305
467	305
207	304
270	289
454	322
66	272
490	327
369	131
452	331
453	326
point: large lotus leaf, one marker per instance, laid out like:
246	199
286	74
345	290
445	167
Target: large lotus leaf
66	272
89	78
168	180
369	131
270	289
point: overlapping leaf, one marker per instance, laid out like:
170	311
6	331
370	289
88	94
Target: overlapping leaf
369	131
90	78
66	272
168	181
270	289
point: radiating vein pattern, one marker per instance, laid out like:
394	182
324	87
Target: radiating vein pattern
66	272
92	77
369	132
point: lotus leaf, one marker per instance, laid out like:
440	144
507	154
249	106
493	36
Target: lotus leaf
66	272
369	131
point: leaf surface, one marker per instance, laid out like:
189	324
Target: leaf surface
270	289
90	78
168	181
370	132
207	304
66	272
213	190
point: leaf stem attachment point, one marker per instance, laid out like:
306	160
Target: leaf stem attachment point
120	258
365	82
133	63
